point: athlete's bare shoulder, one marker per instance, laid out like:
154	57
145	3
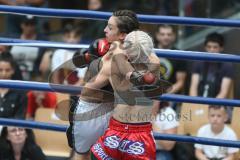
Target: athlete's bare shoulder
118	48
154	58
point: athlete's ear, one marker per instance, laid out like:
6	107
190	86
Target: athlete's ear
122	36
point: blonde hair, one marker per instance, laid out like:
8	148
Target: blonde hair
138	45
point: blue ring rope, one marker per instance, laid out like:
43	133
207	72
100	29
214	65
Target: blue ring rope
33	124
199	140
194	55
26	85
171	137
186	55
30	85
67	13
199	100
39	43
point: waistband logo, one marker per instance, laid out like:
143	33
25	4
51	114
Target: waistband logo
124	145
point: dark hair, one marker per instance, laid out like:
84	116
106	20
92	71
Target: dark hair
162	105
6	58
215	37
30	139
71	28
126	21
215	107
165	26
31	20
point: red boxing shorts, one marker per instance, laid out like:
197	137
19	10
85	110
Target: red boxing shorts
125	141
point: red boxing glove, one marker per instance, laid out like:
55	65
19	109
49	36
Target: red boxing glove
150	84
149	78
139	79
99	47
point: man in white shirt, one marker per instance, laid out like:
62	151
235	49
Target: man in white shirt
165	122
216	129
63	71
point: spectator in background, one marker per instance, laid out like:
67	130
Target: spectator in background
94	27
165	37
13	103
164	124
172	70
4	51
64	72
28	58
212	79
37	99
13	21
19	144
94	5
216	128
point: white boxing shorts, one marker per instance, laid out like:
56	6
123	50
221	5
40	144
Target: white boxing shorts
90	120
